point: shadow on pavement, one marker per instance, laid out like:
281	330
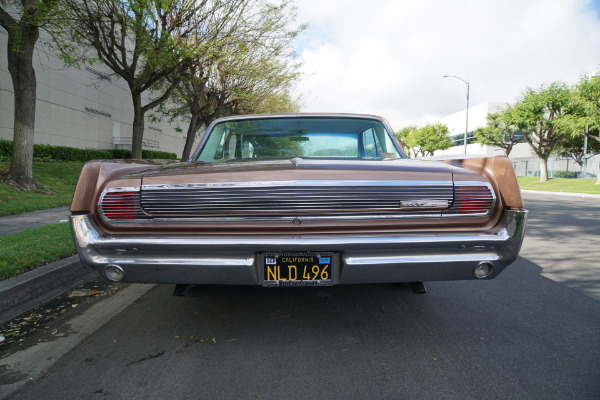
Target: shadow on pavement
520	335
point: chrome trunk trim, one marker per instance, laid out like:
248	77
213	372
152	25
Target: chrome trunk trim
262	184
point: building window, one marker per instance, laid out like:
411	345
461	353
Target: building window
98	112
157	130
458	139
102	76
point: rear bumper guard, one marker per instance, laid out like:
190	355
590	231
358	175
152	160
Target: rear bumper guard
234	260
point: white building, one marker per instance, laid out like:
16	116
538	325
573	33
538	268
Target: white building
525	161
477	119
88	108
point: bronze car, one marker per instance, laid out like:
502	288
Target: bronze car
298	200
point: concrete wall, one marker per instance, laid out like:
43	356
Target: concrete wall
87	108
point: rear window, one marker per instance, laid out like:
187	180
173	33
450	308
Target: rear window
281	138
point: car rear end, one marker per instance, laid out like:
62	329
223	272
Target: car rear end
302	223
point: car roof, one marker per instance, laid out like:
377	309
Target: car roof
299	115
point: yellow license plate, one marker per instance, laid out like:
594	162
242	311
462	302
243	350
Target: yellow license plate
298	269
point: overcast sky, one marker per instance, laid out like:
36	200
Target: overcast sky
387	57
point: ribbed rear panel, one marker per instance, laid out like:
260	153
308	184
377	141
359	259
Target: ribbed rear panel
291	199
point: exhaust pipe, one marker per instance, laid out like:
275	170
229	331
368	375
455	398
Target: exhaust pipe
483	269
114	273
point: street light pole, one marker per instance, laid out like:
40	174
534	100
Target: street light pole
585	143
467	111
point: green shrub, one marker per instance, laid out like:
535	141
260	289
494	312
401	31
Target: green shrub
5	148
566	174
158	154
44	152
119	153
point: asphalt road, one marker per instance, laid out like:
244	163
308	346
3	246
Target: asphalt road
533	332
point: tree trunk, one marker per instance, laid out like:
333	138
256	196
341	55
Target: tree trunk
596	138
21	44
190	138
543	169
138	126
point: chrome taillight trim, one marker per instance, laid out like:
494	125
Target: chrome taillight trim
491	200
140	215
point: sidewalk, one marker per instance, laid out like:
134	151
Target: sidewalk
14	224
568	194
26	291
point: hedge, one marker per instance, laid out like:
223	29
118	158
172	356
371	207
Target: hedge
44	152
565	174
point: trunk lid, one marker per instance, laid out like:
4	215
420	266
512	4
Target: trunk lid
298	169
297	187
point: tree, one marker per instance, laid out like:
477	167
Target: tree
572	147
540	115
426	140
251	72
145	41
23	34
203	103
586	120
587	94
402	136
500	131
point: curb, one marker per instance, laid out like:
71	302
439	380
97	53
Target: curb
22	367
26	291
567	194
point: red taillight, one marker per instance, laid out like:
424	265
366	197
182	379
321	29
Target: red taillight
474	199
120	205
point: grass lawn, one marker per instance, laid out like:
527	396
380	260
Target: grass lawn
560	185
34	247
59	177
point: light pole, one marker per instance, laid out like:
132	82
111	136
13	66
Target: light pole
467	123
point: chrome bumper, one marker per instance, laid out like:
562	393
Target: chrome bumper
234	260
